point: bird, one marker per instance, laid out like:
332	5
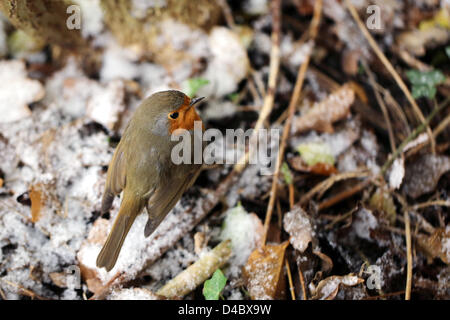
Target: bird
141	168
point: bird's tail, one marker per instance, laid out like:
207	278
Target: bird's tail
129	209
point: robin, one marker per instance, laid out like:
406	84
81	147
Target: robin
142	167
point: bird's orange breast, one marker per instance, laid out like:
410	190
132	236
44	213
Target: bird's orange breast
186	118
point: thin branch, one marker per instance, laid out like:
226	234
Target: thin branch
382	106
391	70
409	255
271	86
413	135
291	284
287	126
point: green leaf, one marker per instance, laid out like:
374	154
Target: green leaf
424	82
447	51
316	152
214	286
430	78
194	84
287	174
423	91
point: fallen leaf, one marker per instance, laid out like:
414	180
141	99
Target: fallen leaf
423	174
437	245
322	114
263	273
417	41
297	223
328	288
37	201
382	201
214	286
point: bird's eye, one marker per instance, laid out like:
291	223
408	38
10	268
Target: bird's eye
173	115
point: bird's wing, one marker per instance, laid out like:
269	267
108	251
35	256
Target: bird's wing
116	178
165	198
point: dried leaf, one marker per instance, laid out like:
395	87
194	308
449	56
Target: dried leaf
327	263
436	245
37	201
328	288
297	223
263	272
416	41
321	115
423	174
382	201
323	169
58	279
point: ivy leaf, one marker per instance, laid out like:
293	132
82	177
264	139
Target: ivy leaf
194	84
424	82
214	286
287	174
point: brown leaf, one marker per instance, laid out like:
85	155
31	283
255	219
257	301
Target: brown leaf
321	115
328	288
37	201
323	169
263	272
423	174
436	245
327	263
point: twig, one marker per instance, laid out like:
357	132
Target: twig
391	70
413	135
409	255
326	184
382	106
227	13
343	195
287	126
271	86
291	284
302	282
443	203
197	273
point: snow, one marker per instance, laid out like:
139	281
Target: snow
139	7
256	7
397	173
364	222
228	65
132	294
19	91
245	232
91	17
118	62
297	223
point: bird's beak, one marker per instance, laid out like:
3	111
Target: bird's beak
195	100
